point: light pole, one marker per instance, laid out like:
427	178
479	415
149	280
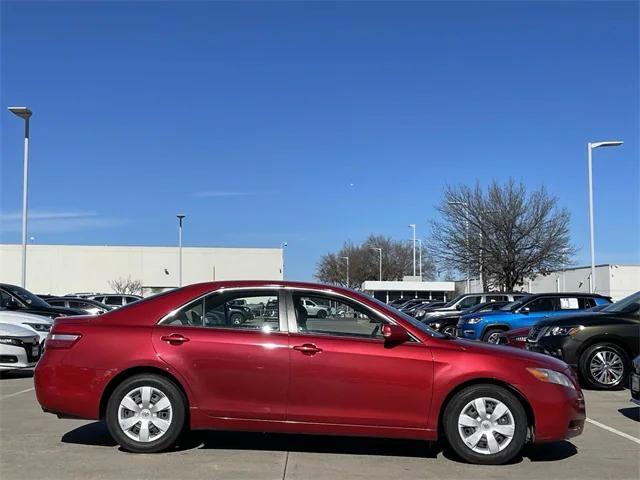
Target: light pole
413	227
347	259
282	245
180	218
590	147
466	221
419	240
25	114
380	252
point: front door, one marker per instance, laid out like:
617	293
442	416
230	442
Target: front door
233	354
343	373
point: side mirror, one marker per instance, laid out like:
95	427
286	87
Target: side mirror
458	307
525	310
394	333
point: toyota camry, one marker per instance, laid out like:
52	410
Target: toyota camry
178	361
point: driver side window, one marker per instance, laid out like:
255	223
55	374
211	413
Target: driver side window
328	315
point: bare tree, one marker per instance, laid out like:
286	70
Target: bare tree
364	262
126	286
503	234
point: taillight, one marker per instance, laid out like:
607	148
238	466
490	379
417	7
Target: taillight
61	340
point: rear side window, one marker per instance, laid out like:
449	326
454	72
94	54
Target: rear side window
56	303
497	298
585	303
257	311
544	304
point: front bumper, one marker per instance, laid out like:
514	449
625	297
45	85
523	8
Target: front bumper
13	357
564	348
469	331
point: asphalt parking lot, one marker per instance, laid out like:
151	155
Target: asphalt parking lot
38	445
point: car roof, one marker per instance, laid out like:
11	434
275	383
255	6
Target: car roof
567	294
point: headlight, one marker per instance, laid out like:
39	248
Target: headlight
420	314
39	327
551	376
435	325
474	320
562	331
9	341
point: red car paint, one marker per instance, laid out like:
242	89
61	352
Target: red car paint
254	380
515	338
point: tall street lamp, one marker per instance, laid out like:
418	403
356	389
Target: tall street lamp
590	147
282	245
25	114
380	252
413	226
347	259
180	218
466	221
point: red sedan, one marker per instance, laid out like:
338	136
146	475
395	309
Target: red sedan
175	361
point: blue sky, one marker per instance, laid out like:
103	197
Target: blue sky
313	123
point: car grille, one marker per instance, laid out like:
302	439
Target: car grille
28	344
535	333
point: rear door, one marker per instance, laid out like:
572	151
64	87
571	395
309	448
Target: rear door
234	370
343	373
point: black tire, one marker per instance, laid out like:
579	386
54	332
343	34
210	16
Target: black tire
588	356
449	329
492	335
178	416
237	319
454	409
322	314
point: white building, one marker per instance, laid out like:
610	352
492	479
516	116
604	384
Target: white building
612	280
61	269
390	290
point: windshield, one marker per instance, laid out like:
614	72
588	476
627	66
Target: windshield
628	304
416	323
26	296
453	302
514	305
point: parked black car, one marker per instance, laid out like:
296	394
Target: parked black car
448	323
90	307
599	345
17	298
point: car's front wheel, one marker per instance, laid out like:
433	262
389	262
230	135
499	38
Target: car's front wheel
146	413
485	424
492	335
604	366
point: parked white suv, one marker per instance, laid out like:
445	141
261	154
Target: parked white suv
315	310
470	300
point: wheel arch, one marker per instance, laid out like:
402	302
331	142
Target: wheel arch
137	370
495	326
604	338
531	420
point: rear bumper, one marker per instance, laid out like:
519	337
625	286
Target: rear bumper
69	391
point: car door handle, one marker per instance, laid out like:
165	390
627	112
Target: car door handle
307	349
174	339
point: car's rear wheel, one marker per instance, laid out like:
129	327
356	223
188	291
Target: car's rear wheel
237	319
492	335
604	366
485	424
146	413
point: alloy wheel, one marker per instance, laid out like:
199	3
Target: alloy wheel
606	367
494	337
486	425
145	414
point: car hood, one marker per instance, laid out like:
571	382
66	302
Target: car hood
13	316
535	359
576	318
16	330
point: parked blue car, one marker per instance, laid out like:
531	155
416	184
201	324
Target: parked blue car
525	312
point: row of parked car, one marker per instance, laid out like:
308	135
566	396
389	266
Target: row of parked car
597	338
26	319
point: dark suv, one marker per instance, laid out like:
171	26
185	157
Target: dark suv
600	345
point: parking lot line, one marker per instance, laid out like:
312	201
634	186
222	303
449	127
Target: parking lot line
17	393
613	430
